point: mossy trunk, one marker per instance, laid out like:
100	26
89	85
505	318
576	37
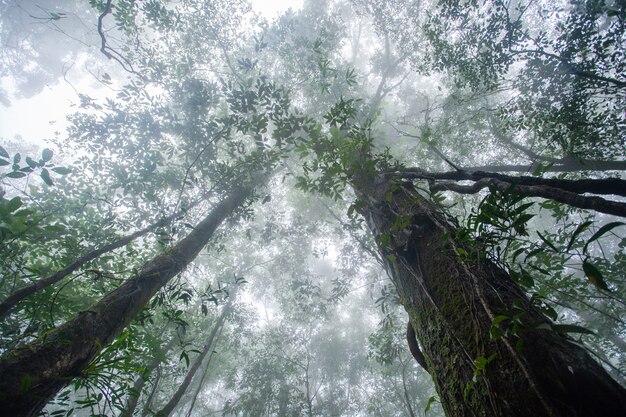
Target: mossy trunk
452	294
31	375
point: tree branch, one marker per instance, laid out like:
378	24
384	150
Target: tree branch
567	165
414	347
107	50
615	186
12	300
557	194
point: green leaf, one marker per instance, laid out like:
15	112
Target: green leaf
547	242
184	356
584	226
533	253
267	199
499	319
45	176
604	229
571	328
16	174
594	276
17	158
46	154
523	277
523	207
3	152
14	204
385	240
31	163
4	162
431	401
61	170
26	383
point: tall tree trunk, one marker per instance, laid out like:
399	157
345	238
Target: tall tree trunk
34	373
182	388
452	294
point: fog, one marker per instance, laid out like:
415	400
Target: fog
316	208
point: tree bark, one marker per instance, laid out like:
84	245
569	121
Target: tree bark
565	166
34	373
12	300
452	300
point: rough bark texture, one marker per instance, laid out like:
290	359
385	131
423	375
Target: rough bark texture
414	348
452	300
571	165
12	300
34	373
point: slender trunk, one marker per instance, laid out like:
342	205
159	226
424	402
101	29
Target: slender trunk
34	373
204	374
147	407
133	396
12	300
405	391
452	300
173	402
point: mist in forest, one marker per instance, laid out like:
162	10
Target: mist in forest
317	208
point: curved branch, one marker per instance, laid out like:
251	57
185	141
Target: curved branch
557	194
565	165
107	50
615	186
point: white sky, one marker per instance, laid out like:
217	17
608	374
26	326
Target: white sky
38	118
272	8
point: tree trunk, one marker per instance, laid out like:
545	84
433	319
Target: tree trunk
140	381
12	300
167	409
452	294
34	373
204	374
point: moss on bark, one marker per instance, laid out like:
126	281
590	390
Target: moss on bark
452	298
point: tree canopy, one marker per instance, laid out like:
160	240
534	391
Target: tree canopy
241	215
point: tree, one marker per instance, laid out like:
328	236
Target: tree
455	298
167	409
491	297
34	373
474	322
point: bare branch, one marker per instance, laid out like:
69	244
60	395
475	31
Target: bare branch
107	50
